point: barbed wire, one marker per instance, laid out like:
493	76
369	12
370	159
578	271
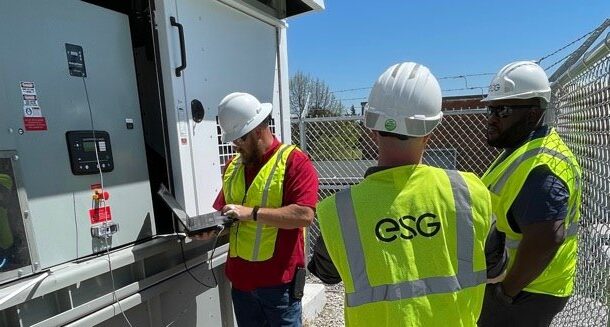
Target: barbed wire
440	78
465	75
482	88
354	89
351	99
564	47
558	61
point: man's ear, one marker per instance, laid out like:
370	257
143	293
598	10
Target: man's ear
533	117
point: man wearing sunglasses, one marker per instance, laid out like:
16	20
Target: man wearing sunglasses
535	189
271	189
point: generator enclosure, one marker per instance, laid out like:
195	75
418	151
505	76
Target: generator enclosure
191	47
67	86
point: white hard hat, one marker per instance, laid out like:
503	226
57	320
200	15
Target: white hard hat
406	99
519	80
239	113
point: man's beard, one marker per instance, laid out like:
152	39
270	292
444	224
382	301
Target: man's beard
512	136
251	158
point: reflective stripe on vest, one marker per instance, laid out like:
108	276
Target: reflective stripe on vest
572	228
571	231
505	180
259	227
497	187
257	241
365	293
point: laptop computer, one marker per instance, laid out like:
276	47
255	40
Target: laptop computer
193	225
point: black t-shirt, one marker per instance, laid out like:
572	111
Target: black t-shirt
543	197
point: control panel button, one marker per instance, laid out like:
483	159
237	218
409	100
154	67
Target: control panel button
89	150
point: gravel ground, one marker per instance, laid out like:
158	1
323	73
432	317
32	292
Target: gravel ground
332	315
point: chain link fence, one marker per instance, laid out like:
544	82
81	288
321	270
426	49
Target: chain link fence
582	118
342	149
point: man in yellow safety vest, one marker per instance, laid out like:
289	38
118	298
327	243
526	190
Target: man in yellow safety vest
271	189
535	190
409	240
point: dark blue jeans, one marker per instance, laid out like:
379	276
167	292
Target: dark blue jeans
269	307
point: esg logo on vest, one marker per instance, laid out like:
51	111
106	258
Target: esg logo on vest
389	229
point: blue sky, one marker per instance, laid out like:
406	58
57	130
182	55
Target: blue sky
350	43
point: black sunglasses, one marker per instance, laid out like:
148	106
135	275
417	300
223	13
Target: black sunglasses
505	111
242	138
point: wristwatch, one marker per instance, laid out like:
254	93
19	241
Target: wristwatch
500	295
255	212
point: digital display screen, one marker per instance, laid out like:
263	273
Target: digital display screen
89	146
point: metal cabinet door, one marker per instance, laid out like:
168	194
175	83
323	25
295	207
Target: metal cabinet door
226	50
58	200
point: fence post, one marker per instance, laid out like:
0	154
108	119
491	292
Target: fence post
303	134
303	146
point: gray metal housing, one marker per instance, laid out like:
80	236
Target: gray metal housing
58	200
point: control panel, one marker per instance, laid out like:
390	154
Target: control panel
89	152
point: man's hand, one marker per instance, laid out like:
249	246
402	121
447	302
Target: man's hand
537	248
206	236
237	211
497	279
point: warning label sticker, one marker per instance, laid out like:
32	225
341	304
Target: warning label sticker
35	123
29	97
32	113
28	91
100	215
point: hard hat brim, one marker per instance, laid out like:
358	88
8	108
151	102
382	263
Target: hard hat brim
265	111
520	96
410	126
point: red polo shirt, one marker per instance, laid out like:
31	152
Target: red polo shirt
300	187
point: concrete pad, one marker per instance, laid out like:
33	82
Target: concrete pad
314	299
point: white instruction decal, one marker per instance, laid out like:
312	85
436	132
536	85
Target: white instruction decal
32	114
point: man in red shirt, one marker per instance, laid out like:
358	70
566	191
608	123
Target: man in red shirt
272	190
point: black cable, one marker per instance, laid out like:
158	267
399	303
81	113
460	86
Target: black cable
101	174
188	270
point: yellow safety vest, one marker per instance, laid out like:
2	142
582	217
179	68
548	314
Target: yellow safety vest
506	177
6	234
250	240
409	245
